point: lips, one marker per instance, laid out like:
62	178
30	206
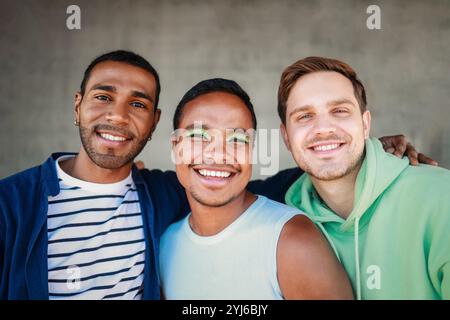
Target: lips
326	146
214	176
110	138
214	173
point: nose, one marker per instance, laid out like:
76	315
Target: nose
117	113
323	125
215	151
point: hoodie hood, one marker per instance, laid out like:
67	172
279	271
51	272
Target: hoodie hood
378	170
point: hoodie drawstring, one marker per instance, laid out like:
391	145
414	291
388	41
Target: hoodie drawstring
357	266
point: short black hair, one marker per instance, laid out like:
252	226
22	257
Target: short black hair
127	57
209	86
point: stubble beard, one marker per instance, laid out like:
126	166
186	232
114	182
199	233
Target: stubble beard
337	171
109	160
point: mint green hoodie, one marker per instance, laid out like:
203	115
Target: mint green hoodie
395	244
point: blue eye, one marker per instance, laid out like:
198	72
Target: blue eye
304	117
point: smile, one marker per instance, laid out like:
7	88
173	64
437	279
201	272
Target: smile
215	176
111	137
326	147
211	173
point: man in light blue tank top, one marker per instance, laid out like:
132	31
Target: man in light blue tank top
235	244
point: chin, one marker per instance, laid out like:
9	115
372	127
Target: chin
332	172
107	161
327	176
210	201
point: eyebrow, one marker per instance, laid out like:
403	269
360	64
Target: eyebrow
332	103
104	88
299	109
139	94
193	126
339	102
134	93
205	127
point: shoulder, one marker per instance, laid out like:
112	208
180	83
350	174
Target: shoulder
155	176
425	172
163	185
299	232
173	231
20	181
302	243
424	182
273	214
18	196
306	266
161	181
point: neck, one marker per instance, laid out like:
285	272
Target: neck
207	221
83	168
339	194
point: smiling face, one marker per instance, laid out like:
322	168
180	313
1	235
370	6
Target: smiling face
325	130
116	114
213	148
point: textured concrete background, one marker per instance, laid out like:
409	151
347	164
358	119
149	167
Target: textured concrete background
405	66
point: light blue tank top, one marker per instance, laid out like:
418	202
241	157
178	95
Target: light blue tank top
237	263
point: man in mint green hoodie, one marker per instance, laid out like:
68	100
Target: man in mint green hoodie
388	222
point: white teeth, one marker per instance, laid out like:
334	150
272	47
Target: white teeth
326	147
111	137
210	173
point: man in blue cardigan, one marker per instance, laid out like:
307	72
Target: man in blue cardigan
87	225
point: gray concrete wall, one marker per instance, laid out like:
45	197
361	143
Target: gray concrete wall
405	65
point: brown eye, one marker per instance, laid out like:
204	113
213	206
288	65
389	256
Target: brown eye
198	135
103	98
138	105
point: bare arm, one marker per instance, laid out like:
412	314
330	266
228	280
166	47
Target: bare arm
307	266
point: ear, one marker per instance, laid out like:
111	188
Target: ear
77	105
173	140
285	136
177	136
366	118
156	118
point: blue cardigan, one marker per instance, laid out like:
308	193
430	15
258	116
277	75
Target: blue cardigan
23	222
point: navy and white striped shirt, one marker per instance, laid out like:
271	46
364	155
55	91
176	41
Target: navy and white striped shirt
96	247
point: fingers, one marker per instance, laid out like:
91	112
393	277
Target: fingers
412	155
424	159
139	164
400	145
